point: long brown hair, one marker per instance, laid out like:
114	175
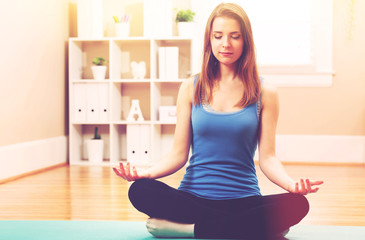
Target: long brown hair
246	68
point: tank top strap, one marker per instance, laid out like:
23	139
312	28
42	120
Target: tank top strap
259	102
196	77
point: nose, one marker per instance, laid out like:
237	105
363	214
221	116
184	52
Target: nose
226	43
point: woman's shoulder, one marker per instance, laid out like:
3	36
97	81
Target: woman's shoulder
187	88
269	93
188	84
269	89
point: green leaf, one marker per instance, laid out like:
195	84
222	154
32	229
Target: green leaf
185	16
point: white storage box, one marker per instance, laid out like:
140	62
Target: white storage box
167	113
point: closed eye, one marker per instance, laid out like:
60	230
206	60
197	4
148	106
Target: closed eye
233	36
217	36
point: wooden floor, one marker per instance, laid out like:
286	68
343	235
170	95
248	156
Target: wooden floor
95	193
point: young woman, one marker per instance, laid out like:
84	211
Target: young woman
223	113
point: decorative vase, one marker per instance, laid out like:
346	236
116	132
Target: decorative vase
99	72
185	29
95	149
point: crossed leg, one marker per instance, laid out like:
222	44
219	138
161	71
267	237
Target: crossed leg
176	213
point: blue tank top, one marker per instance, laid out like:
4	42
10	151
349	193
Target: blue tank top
223	148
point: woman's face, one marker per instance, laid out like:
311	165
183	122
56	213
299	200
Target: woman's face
226	40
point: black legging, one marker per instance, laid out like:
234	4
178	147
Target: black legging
256	217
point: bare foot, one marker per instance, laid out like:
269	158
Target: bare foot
164	228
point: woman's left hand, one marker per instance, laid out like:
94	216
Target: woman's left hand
305	187
129	172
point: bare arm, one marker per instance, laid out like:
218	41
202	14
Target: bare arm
178	155
269	164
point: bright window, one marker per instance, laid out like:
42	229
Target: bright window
293	38
280	41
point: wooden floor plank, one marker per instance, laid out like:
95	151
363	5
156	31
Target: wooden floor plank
95	193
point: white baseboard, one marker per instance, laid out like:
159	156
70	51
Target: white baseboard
27	157
320	148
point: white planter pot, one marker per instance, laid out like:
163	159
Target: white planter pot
95	149
185	29
99	72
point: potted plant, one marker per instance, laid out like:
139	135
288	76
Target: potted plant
185	25
95	148
99	68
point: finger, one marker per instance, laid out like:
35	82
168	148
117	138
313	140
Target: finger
309	187
118	173
128	171
314	190
296	187
124	171
303	190
135	174
316	182
122	168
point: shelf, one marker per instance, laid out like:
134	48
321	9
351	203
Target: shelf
164	122
82	53
130	80
131	123
126	123
106	103
128	50
89	123
138	38
180	80
172	38
89	81
88	39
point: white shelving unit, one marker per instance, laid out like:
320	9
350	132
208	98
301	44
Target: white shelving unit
114	94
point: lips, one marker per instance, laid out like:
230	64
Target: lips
226	54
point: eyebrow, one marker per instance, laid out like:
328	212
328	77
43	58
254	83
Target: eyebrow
230	32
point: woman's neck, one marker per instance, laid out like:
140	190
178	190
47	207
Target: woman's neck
226	73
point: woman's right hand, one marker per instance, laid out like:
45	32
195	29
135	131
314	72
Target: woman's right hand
130	173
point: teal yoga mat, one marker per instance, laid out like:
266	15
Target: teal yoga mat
118	230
